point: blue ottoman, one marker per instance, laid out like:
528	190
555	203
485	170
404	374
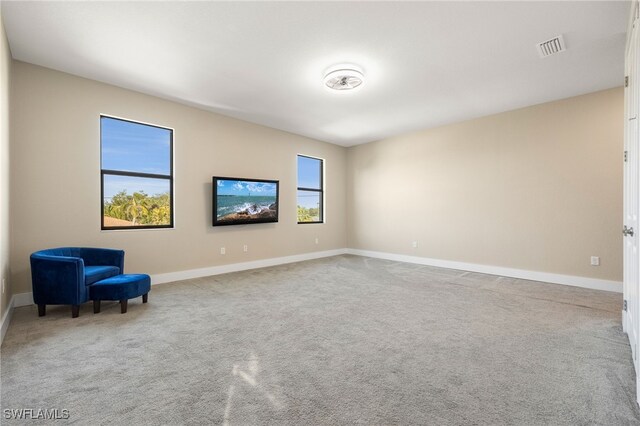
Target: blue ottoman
120	287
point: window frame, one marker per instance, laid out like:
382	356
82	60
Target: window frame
169	177
320	191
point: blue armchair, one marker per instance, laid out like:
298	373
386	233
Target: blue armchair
61	276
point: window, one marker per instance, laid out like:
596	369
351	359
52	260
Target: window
310	190
136	175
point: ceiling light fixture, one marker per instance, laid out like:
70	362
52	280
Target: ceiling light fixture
344	79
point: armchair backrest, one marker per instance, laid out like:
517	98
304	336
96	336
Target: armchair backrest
61	251
100	256
91	256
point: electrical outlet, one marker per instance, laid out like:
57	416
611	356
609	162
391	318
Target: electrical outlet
414	244
317	240
245	248
223	250
595	261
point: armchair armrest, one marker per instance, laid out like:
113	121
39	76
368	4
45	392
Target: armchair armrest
100	256
58	279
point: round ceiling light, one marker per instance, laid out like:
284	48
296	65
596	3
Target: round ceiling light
344	79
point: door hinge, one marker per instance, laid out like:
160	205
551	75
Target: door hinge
624	306
626	81
626	156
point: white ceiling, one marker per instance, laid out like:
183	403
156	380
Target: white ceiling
425	63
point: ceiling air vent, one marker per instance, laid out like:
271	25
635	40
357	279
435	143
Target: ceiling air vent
551	47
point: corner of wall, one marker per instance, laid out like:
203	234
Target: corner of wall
6	60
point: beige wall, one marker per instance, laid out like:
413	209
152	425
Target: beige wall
538	189
56	178
5	84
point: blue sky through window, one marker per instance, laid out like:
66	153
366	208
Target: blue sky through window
309	199
114	184
309	172
309	176
135	147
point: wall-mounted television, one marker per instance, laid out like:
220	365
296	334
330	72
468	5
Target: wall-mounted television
240	201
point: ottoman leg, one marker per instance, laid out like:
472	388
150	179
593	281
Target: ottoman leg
75	311
42	309
145	297
123	306
96	306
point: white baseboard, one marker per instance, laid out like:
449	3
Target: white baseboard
591	283
25	299
244	266
6	319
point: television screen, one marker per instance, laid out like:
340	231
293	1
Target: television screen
238	201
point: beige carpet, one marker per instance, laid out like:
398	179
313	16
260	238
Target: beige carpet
343	340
